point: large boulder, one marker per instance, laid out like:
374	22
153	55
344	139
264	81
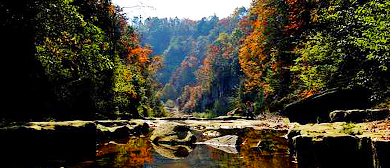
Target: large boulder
317	107
172	133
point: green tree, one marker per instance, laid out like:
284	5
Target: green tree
74	55
349	49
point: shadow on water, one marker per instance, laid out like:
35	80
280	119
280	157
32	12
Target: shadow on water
260	149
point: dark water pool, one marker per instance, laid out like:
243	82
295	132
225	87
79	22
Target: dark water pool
140	152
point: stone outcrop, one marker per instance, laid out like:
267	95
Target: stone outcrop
359	115
340	151
48	144
317	107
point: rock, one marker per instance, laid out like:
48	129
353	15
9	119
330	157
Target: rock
333	151
337	116
226	143
381	149
359	115
48	144
120	129
227	140
173	133
143	129
378	114
340	151
212	133
317	107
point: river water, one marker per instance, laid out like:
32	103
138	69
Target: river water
141	152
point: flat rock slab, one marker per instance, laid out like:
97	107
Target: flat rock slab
225	143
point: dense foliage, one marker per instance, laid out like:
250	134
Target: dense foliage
83	61
277	52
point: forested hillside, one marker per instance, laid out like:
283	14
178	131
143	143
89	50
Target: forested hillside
75	59
275	53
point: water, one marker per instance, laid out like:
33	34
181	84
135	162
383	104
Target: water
140	152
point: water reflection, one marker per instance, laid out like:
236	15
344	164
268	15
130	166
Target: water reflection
259	150
266	149
135	153
172	152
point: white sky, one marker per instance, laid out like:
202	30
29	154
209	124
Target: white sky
190	9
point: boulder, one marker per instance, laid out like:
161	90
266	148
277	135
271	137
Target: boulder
172	133
359	115
317	107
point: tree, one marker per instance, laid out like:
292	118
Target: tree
350	49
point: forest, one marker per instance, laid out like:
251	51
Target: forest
76	59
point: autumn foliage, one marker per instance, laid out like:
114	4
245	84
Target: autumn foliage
255	56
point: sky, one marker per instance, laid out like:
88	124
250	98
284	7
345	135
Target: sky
189	9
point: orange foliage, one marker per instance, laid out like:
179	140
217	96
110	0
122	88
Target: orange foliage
296	15
141	53
253	56
307	93
111	9
295	20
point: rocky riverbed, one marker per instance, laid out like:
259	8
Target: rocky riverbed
310	145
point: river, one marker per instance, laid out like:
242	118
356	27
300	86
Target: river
141	152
